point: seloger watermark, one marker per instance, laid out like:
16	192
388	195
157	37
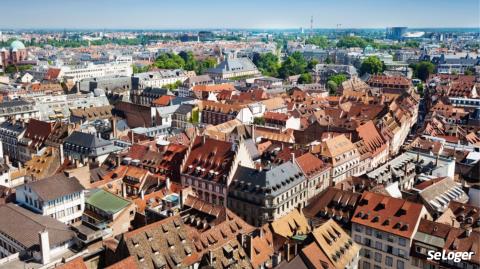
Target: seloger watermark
450	256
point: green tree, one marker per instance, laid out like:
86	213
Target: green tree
305	78
173	86
312	63
267	63
423	70
195	118
320	41
328	60
420	89
169	61
294	64
338	79
205	64
140	69
332	87
189	59
469	72
371	65
352	41
259	120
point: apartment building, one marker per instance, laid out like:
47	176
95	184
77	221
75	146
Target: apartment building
210	165
260	196
384	227
92	70
58	196
343	155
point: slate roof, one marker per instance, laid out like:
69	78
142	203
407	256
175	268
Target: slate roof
184	109
24	226
86	140
272	182
54	187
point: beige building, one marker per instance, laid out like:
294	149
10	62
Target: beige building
343	155
384	227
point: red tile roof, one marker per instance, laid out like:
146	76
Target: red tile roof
163	100
311	165
209	155
388	214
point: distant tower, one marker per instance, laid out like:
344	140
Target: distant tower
311	24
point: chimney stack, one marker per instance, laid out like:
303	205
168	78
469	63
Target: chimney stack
62	155
44	246
167	183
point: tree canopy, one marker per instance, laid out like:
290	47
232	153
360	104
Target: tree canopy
305	78
294	64
184	60
371	65
320	41
422	70
267	63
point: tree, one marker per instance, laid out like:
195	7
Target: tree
169	61
313	63
338	79
189	59
422	70
469	72
328	60
305	78
173	86
420	89
320	41
332	87
195	118
259	120
140	69
267	63
371	65
352	41
294	64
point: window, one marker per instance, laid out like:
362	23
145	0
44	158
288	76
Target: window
388	261
402	253
378	257
402	241
378	245
358	239
366	265
377	267
400	264
369	231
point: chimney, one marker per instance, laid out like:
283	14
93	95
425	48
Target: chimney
167	183
7	159
1	149
249	245
62	155
468	231
44	246
114	127
142	194
293	157
124	190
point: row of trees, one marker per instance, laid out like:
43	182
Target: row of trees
184	60
295	64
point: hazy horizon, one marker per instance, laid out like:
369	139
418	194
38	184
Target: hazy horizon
246	14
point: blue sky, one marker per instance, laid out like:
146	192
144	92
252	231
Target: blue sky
163	14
